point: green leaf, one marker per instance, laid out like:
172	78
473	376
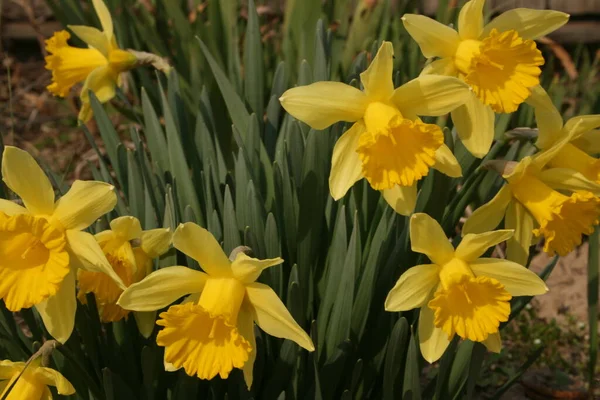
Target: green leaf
155	136
231	238
136	187
393	371
412	385
253	63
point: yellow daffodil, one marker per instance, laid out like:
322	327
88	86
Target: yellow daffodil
459	293
575	155
99	66
530	197
499	61
388	144
130	252
43	243
33	382
212	331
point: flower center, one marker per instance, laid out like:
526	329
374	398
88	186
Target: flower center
562	219
500	69
202	343
573	158
394	150
33	260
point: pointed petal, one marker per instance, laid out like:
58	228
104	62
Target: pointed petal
428	237
89	255
442	66
156	242
568	179
518	218
377	79
474	245
248	269
161	288
474	123
488	216
127	228
401	198
322	104
434	39
582	124
92	37
547	117
202	246
470	20
9	368
446	163
84	203
272	316
414	288
346	167
493	342
58	311
433	341
145	322
51	377
432	95
105	18
517	280
11	208
23	175
589	142
245	324
529	23
103	82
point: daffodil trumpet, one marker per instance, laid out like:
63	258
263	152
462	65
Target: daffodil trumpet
499	61
459	293
212	330
388	144
43	243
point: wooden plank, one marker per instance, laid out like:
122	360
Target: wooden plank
575	7
497	6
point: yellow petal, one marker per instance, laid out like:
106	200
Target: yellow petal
322	104
433	341
92	37
84	203
103	82
90	256
245	325
145	322
474	123
377	79
401	198
488	216
547	117
11	208
51	377
24	176
446	163
413	288
272	317
346	167
517	280
473	245
589	142
493	342
127	228
434	38
582	124
156	242
470	19
248	269
568	179
58	311
428	237
430	95
530	24
9	368
105	18
442	66
521	221
161	288
202	246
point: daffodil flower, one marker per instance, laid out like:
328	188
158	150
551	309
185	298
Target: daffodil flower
42	244
499	61
388	144
130	252
574	155
212	331
530	197
99	66
459	293
33	382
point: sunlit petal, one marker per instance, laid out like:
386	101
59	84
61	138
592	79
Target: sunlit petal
248	269
92	37
434	39
529	23
145	320
156	242
488	216
51	377
58	311
517	280
413	288
202	246
442	66
567	179
433	340
547	117
474	123
346	167
473	245
401	198
493	342
521	221
470	19
428	237
84	203
377	79
245	325
446	162
430	95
